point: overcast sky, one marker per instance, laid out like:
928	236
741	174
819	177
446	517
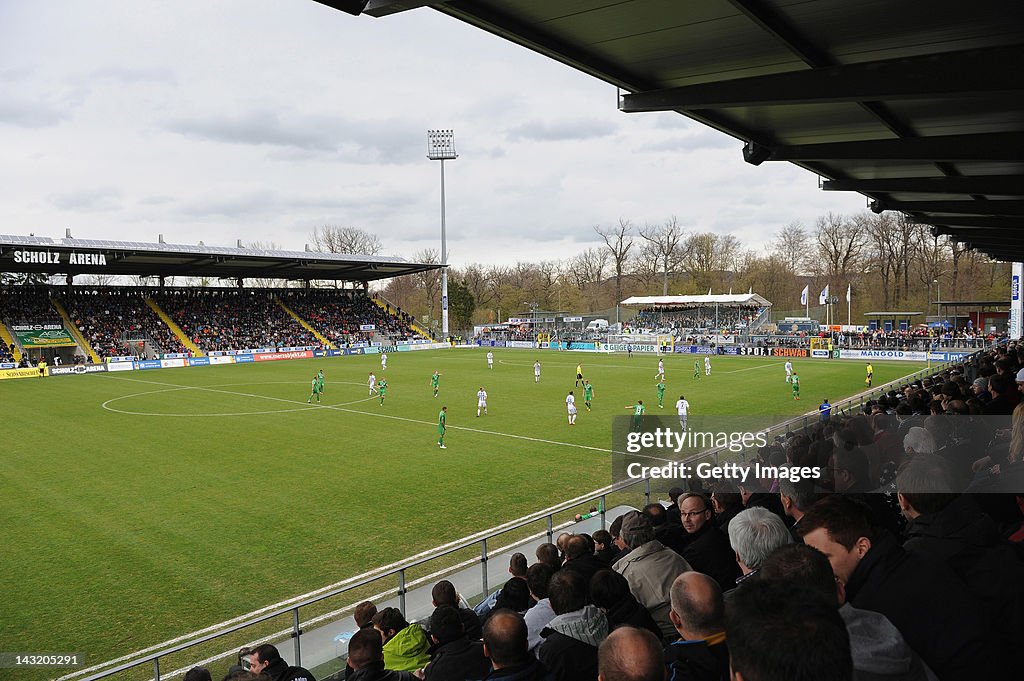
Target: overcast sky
260	119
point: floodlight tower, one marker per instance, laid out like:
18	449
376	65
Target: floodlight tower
441	147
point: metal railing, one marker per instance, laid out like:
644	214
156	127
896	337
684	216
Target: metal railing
400	571
397	571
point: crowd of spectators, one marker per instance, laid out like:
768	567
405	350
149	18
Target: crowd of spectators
682	322
915	339
233	319
116	322
27	305
338	316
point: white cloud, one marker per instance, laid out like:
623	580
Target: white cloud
262	119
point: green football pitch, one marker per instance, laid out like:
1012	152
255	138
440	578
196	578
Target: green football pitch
138	506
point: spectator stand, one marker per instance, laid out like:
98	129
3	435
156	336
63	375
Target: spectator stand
31	306
682	316
117	322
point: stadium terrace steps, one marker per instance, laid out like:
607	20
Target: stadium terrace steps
8	340
75	332
306	325
384	305
166	319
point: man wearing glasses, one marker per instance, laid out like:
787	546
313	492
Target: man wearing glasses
707	548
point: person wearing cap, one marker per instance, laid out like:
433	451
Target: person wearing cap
405	645
980	389
453	656
650	567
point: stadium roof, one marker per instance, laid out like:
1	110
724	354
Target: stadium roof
82	256
697	301
919	107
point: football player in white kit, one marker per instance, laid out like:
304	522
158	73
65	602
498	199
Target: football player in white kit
490	359
661	370
481	401
373	383
682	408
536	371
383	361
707	365
570	403
789	371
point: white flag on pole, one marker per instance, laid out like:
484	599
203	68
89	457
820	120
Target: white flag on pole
803	295
823	295
848	293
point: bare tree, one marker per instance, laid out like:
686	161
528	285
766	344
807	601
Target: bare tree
905	234
548	277
587	271
337	239
430	281
791	245
769	276
645	266
618	240
99	279
883	238
709	256
266	282
474	277
928	251
664	243
841	243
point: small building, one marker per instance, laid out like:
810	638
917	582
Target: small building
893	321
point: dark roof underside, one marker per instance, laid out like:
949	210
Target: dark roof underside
917	105
181	260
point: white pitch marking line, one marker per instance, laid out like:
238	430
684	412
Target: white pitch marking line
370	413
630	366
759	366
106	405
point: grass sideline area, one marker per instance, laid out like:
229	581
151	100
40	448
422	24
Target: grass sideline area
142	505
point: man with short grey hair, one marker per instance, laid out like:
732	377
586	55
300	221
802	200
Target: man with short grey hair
919	441
650	568
754	534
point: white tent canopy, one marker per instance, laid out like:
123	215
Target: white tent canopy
743	299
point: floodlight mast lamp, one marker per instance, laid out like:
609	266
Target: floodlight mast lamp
441	147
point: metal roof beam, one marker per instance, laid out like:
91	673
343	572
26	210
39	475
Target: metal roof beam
970	221
993	185
978	147
952	74
1011	207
